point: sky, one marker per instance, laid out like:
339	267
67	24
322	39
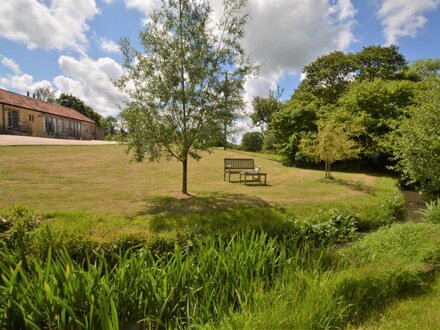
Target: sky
71	45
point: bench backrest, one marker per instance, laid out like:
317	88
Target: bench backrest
239	163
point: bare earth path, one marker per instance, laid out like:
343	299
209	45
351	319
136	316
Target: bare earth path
16	140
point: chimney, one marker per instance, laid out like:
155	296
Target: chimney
27	93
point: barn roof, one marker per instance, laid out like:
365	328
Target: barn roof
22	101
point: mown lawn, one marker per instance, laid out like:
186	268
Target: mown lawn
99	191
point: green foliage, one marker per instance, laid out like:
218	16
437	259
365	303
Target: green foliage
179	83
339	227
415	142
432	212
328	77
366	277
332	143
291	123
19	224
365	89
252	141
391	209
376	106
424	68
199	282
377	62
265	107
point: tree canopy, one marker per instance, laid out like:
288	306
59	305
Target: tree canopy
416	141
177	83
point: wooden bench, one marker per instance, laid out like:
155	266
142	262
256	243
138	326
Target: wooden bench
237	165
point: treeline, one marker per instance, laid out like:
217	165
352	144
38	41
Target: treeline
372	105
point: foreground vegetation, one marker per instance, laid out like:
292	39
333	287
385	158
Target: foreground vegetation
245	281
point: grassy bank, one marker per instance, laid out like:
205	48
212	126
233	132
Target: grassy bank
245	282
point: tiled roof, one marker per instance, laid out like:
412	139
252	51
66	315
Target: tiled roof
23	101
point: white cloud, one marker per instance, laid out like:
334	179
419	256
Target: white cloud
144	6
404	18
58	24
285	35
18	80
109	46
10	64
90	81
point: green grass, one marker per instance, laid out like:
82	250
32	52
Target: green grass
416	312
361	282
103	195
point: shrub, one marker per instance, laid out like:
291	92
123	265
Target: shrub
252	141
392	209
432	212
339	227
19	224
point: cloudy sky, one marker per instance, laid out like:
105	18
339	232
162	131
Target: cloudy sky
70	45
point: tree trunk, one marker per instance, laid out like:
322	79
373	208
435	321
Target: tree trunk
185	176
225	136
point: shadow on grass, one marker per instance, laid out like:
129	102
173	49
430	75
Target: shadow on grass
216	213
353	185
174	206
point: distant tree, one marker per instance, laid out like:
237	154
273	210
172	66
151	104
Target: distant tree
377	62
416	142
376	106
252	141
424	68
265	107
71	101
293	121
332	143
329	76
109	124
178	97
45	94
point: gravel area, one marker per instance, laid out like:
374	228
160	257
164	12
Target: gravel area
16	140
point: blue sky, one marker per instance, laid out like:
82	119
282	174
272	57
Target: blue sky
70	45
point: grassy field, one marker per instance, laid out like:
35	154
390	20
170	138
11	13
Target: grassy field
104	195
271	271
101	179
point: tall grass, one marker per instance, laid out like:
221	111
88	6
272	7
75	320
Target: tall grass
395	262
194	284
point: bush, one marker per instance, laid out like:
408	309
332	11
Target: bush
19	224
392	209
252	141
432	212
339	227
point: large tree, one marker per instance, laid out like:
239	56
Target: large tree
265	107
329	76
377	62
177	83
416	140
